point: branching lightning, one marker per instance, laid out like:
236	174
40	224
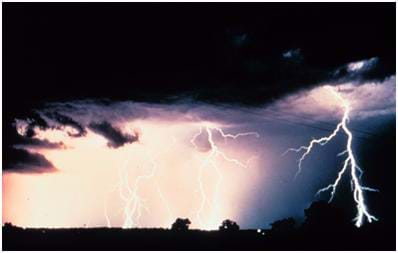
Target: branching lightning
211	161
134	204
350	163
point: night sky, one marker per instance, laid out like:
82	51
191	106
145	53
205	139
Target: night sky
87	69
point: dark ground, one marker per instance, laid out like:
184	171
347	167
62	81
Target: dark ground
325	230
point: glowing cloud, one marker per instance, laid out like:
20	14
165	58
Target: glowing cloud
367	99
143	165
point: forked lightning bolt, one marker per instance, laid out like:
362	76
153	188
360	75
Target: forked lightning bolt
133	202
211	161
350	163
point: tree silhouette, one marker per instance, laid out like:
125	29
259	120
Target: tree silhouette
181	224
283	226
324	221
322	215
229	225
8	225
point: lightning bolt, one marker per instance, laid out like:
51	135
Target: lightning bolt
350	163
211	161
134	204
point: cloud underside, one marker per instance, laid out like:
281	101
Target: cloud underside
76	118
114	136
32	142
23	161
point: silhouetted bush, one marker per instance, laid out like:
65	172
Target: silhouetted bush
324	216
8	225
229	225
283	226
324	221
181	224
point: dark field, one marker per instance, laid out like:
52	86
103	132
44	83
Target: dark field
367	238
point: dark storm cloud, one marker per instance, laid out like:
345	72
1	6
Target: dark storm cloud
67	121
23	161
31	142
232	56
114	136
363	70
26	137
34	120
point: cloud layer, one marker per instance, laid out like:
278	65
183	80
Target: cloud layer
367	98
23	161
114	136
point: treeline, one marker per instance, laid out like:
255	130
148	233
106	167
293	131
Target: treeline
325	227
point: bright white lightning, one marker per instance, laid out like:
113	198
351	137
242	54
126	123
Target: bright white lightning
211	161
133	202
350	163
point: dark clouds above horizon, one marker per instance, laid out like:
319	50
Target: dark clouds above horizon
154	52
234	53
24	161
114	136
